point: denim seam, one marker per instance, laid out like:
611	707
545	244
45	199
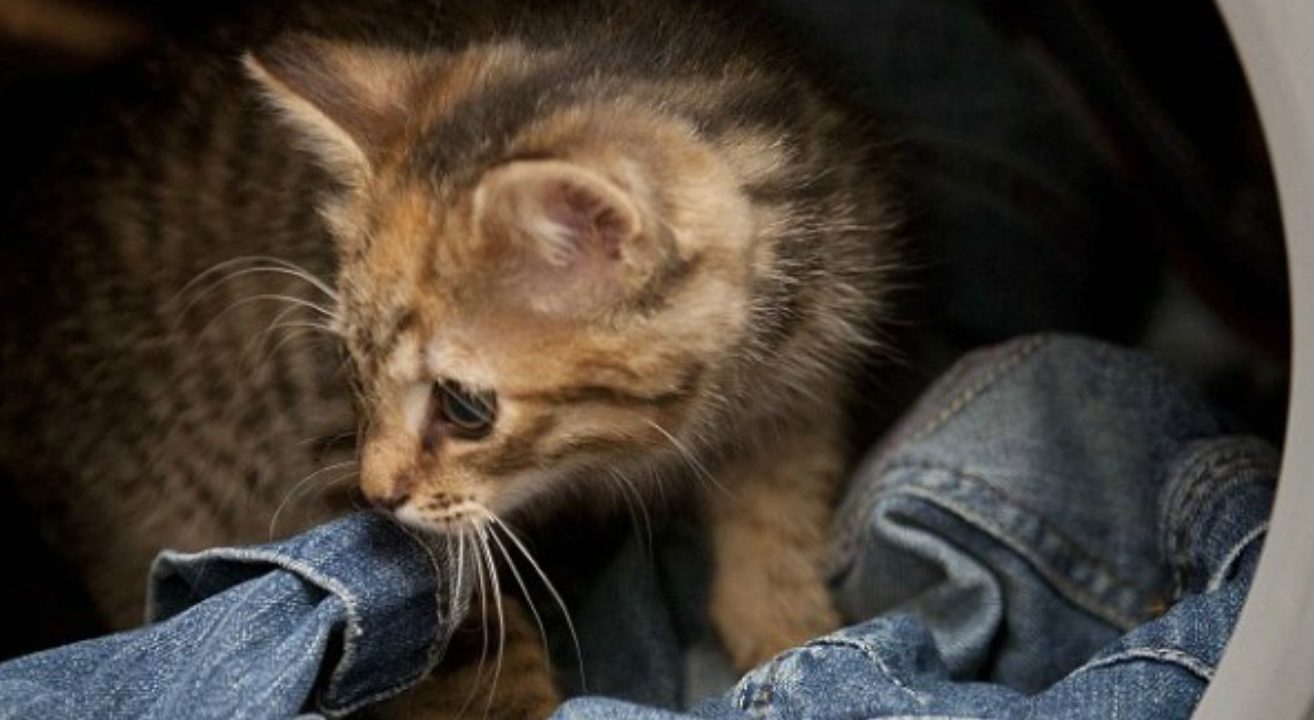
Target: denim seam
872	654
1229	561
1191	663
1197	483
437	648
993	375
330	585
928	717
1074	592
847	525
1192	485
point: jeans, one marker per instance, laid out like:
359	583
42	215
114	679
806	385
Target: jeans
1059	528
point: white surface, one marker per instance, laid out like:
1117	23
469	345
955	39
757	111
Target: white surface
1268	669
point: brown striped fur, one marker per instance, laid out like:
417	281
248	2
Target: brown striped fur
724	267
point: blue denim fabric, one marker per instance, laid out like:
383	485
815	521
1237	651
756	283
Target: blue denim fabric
329	621
1059	529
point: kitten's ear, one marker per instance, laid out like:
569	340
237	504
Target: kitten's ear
348	101
576	240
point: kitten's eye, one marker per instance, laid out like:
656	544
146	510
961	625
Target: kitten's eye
465	413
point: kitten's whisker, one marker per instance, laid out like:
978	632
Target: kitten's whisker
273	521
501	617
287	338
524	589
693	462
329	484
182	313
327	439
259	341
315	283
528	599
483	621
419	540
627	487
307	324
293	299
552	589
276	265
266	297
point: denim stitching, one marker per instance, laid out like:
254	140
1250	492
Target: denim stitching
1233	555
1001	369
1235	460
1106	572
1225	457
872	654
930	717
1077	594
1191	663
332	586
846	527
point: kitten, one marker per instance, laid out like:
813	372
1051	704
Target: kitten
569	242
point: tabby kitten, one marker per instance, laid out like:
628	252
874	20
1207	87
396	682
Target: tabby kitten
570	242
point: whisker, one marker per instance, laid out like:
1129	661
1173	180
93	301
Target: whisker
692	461
260	297
524	589
324	438
501	617
630	494
483	622
279	265
552	589
273	521
287	338
259	341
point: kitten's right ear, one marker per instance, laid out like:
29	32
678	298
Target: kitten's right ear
348	101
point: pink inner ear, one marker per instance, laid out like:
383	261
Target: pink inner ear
577	234
590	222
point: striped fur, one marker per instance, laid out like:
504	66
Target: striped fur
729	273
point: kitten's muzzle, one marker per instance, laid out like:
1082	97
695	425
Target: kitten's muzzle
394	499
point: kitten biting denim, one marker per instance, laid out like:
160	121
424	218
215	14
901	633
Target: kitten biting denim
571	250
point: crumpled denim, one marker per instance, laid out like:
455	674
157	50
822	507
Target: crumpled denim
327	622
1059	528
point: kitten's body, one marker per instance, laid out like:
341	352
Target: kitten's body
142	412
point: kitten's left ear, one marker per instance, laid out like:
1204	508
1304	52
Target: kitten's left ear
348	101
571	241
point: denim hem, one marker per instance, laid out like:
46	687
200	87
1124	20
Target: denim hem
1172	656
1069	568
350	636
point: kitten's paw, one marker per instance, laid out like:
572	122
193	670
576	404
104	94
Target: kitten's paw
757	621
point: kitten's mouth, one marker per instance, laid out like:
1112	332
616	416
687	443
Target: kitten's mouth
445	516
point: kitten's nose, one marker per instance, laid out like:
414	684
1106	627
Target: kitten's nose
393	500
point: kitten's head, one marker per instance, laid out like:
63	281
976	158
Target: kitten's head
533	288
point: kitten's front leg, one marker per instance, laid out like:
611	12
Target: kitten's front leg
471	681
770	537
